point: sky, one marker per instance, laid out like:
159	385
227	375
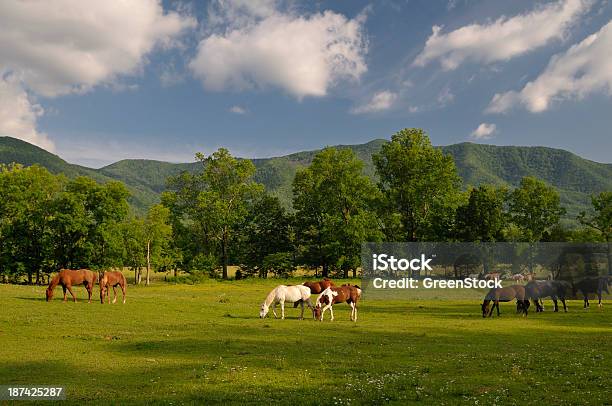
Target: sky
97	82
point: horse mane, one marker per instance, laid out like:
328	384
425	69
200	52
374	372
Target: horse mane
55	281
270	297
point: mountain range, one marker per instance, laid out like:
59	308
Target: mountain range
574	177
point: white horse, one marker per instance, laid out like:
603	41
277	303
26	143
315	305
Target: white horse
282	294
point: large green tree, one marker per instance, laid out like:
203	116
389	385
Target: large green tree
27	198
419	183
483	217
157	234
267	230
601	220
334	203
534	208
215	201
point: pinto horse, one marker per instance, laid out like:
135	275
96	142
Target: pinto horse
332	295
506	294
112	279
316	287
69	277
588	285
282	294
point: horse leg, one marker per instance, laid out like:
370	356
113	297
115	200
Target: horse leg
331	312
599	297
564	305
302	314
64	288
114	294
556	306
123	291
89	292
282	303
274	310
71	292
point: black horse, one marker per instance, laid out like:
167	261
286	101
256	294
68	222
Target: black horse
589	285
556	290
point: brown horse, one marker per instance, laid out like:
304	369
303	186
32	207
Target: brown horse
69	277
332	295
506	294
112	279
320	286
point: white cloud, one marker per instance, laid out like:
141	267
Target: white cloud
68	46
584	68
503	38
238	110
261	46
18	114
484	131
380	101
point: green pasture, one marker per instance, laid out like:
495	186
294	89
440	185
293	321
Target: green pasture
183	344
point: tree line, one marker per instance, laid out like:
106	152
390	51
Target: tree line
220	216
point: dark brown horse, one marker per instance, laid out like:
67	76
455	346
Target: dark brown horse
68	278
332	295
112	279
506	294
593	284
556	290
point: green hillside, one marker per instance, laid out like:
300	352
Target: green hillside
14	150
576	178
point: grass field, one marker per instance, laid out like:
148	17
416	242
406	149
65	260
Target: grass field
184	344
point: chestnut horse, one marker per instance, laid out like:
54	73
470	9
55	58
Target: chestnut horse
114	279
320	286
506	294
69	277
332	295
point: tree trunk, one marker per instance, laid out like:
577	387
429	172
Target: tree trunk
224	255
325	272
354	272
609	255
148	262
29	277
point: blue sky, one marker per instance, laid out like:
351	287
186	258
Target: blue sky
105	81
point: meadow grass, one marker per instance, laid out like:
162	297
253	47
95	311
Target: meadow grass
205	343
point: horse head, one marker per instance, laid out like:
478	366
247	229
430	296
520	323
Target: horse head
485	307
263	311
49	294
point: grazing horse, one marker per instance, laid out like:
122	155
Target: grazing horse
69	277
282	294
332	295
592	285
112	279
320	286
537	290
316	287
506	294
